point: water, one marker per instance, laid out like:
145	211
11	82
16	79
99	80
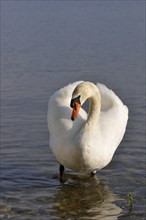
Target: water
44	46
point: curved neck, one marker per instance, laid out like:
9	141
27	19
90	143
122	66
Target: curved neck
94	108
94	111
88	90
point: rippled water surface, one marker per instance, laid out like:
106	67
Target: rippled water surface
44	46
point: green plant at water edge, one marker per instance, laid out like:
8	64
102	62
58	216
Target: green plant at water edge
130	202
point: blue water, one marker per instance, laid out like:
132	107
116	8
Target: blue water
44	46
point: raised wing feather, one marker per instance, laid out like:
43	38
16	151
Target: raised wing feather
59	112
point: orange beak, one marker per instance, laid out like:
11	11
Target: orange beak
75	111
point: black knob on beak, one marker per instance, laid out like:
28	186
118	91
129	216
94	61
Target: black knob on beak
72	103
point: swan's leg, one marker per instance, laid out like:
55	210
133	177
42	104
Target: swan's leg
61	169
93	173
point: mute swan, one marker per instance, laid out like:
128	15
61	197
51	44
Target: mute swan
80	141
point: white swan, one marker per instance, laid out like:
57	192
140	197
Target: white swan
87	142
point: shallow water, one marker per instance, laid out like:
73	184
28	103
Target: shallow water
44	46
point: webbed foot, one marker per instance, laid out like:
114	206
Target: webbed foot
93	173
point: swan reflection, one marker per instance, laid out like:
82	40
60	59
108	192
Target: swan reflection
84	198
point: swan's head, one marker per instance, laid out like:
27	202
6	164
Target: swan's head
75	104
83	91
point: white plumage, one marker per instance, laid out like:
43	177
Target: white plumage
88	143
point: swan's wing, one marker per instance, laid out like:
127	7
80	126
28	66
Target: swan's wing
59	112
108	97
114	115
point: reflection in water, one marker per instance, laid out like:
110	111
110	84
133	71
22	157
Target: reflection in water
84	198
79	197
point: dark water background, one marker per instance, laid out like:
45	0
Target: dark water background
44	46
